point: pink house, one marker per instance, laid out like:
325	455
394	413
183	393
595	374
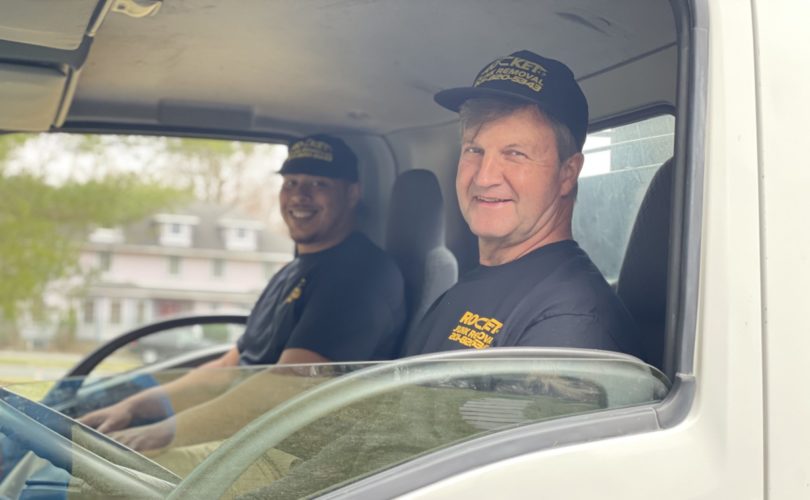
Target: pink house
200	259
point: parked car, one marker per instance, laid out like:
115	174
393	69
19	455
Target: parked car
690	208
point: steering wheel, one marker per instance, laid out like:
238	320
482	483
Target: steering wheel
223	467
53	437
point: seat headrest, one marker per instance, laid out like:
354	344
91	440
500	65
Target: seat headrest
642	283
416	213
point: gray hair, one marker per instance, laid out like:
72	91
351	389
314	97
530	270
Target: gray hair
475	113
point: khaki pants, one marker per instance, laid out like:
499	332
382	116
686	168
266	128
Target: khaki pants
273	465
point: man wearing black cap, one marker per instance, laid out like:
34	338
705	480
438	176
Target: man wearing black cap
524	122
305	314
340	299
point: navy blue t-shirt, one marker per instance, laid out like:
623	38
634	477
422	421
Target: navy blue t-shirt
345	303
552	297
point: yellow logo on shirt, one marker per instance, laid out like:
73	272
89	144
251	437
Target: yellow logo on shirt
475	331
296	292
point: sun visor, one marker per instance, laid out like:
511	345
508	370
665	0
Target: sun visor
58	24
29	97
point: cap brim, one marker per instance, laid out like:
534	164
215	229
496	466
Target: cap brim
452	99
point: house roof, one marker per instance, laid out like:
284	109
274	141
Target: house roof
207	232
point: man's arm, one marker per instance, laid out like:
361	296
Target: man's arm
333	326
300	357
219	418
198	385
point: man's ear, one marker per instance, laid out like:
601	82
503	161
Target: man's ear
569	173
355	192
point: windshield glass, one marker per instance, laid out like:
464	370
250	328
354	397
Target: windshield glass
298	430
106	233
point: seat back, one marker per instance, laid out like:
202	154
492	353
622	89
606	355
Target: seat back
415	239
642	283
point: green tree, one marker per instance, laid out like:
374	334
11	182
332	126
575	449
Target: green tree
8	145
42	226
214	169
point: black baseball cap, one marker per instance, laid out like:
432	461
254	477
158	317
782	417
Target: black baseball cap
322	155
531	77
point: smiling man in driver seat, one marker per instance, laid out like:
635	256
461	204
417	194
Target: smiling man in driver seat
340	299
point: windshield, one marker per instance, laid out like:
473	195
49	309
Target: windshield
294	431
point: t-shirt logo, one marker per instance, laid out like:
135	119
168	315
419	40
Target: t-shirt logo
296	292
475	331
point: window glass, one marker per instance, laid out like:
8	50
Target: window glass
370	416
104	260
93	213
174	265
115	312
218	267
89	311
619	164
140	312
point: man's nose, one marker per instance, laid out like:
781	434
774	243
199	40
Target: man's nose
489	171
301	192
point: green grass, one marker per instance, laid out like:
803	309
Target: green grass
35	361
34	391
33	388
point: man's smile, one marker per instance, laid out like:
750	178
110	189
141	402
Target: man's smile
302	213
490	201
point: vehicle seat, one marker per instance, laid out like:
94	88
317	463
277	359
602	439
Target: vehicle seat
642	283
415	239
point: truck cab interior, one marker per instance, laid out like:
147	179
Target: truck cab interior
367	72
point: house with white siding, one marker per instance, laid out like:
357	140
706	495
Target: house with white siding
199	259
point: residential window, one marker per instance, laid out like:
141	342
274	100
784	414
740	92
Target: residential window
115	312
140	312
89	311
104	261
241	238
176	230
174	265
168	307
218	267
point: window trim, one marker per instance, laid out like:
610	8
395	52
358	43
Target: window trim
91	127
687	214
276	425
479	452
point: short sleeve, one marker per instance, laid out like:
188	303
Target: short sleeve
252	334
346	318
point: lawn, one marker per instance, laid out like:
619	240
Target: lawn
32	374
